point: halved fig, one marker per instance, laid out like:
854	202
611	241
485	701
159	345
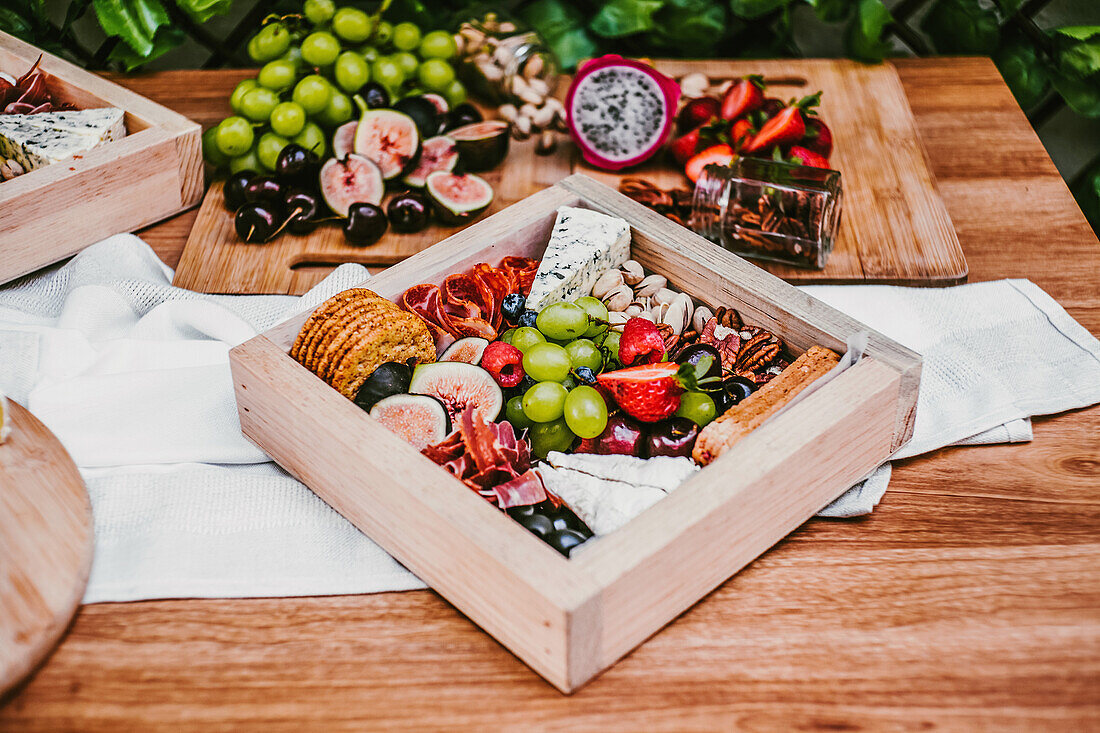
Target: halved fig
481	145
440	103
437	154
428	119
458	198
351	180
422	420
459	385
343	140
390	139
467	349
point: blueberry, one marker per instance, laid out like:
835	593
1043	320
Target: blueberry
513	306
527	318
585	374
738	388
526	383
564	540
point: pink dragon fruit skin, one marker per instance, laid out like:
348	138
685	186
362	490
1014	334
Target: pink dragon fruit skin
620	111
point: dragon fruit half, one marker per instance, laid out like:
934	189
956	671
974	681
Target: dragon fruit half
620	111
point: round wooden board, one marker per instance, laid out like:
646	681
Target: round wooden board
45	545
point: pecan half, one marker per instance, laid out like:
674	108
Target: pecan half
757	353
728	317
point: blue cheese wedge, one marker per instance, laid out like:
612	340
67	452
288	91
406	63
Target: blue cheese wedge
34	141
5	418
583	245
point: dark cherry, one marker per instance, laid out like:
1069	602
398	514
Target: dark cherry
375	95
622	436
408	212
738	388
539	524
693	353
463	114
365	225
263	189
256	223
303	209
673	437
235	187
565	540
564	518
297	166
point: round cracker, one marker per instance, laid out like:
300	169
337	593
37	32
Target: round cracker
373	316
403	336
332	328
317	317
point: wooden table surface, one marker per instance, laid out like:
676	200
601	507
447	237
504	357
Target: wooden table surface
969	599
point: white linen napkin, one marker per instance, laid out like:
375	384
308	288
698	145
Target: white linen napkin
132	375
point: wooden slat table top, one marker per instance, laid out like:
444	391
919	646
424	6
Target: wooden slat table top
970	599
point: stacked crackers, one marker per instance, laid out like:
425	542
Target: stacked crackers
353	333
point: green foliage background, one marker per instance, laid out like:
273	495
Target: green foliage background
1040	66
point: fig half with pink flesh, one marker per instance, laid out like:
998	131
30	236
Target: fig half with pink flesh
437	154
343	140
458	198
351	180
389	138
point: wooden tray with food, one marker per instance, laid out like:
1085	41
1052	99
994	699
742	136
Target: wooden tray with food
575	418
82	158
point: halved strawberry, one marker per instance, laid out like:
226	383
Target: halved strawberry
804	156
788	126
697	112
743	97
818	137
649	393
717	154
740	133
683	147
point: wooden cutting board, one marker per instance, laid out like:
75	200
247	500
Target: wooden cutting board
45	545
894	228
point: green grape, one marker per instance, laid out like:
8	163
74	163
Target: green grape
352	25
210	151
562	321
268	149
258	104
288	119
524	337
271	42
278	75
293	55
383	33
312	93
506	337
698	407
387	72
549	436
597	315
406	36
544	402
351	71
455	93
234	136
438	45
585	412
407	61
546	363
312	138
239	91
338	110
247	162
436	74
569	383
609	344
320	48
369	53
513	413
584	352
319	12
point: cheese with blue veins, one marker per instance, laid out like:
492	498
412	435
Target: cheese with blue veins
582	246
38	140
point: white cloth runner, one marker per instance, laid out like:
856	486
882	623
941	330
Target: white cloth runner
132	376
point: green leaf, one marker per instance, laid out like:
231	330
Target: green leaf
963	27
832	11
1086	189
134	21
16	24
1077	50
752	9
165	40
1078	32
562	27
204	10
619	18
1082	95
697	25
865	31
1024	72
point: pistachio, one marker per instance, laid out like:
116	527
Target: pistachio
617	318
606	282
700	317
636	309
632	272
618	298
678	314
502	56
539	87
694	85
529	110
543	116
521	128
491	71
507	27
460	45
530	95
556	105
658	312
533	67
650	285
508	112
548	141
664	296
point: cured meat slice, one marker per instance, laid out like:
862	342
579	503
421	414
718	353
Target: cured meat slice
523	490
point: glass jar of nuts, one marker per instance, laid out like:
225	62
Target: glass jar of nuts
515	70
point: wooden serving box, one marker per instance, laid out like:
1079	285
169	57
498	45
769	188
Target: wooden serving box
570	618
55	211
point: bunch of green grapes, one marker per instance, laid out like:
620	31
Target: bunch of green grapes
312	66
563	352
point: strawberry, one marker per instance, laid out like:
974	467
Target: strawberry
649	393
740	133
804	156
641	343
743	97
697	112
717	154
788	126
818	137
682	148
